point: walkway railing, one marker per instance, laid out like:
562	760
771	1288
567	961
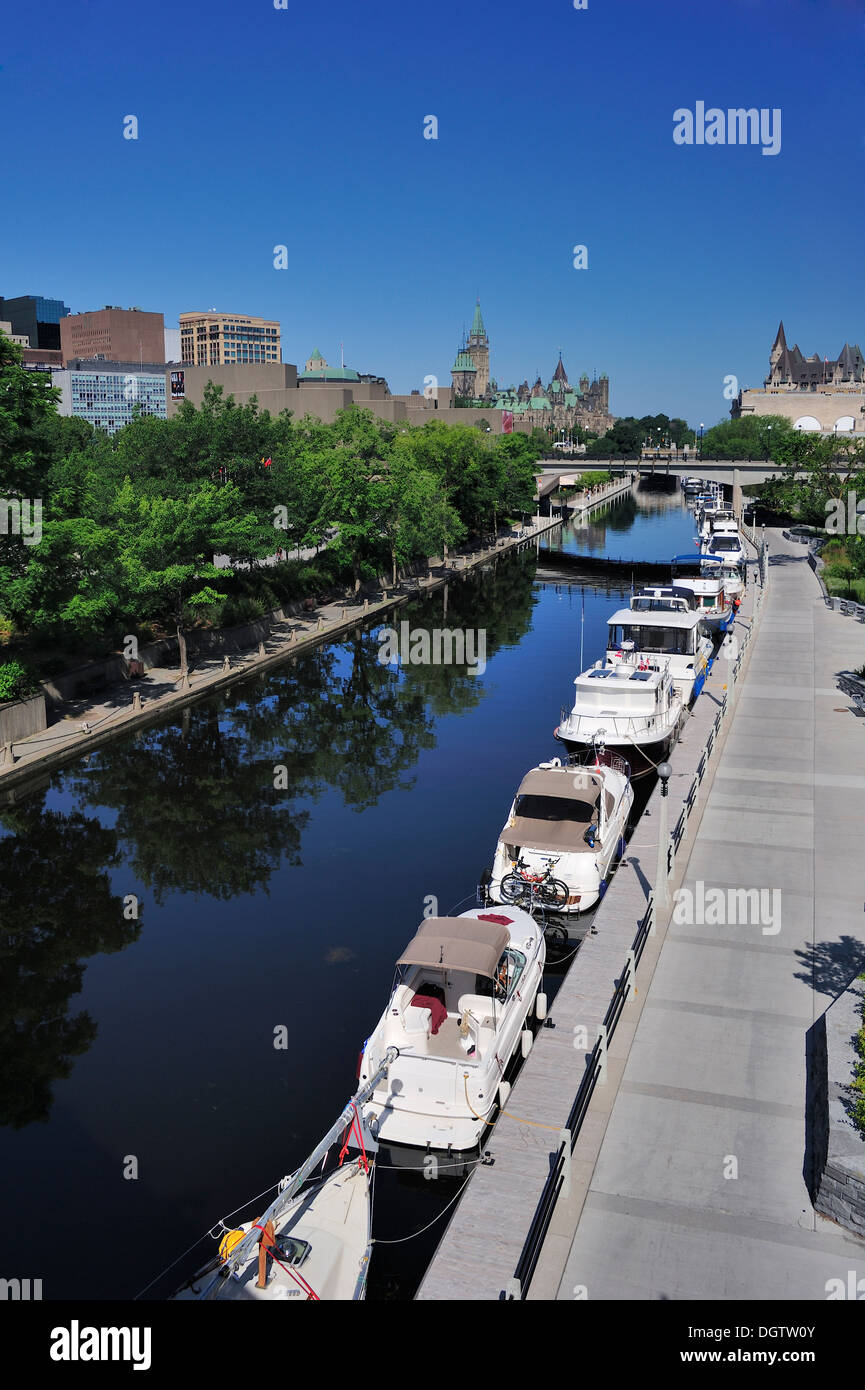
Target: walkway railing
596	1061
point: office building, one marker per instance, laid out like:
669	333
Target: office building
215	340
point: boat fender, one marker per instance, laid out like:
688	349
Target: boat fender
540	1007
602	887
526	1041
504	1093
228	1242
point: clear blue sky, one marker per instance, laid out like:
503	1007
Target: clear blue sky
260	127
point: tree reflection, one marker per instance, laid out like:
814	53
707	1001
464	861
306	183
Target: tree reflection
56	909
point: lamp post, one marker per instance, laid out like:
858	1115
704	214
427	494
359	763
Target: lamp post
662	897
768	442
701	441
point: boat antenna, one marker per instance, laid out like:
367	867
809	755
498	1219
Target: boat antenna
582	627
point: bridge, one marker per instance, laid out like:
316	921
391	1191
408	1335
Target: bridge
674	466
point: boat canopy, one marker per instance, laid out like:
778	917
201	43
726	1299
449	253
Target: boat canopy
458	943
558	782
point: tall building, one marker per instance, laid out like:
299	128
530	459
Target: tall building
109	393
557	405
114	335
825	395
479	351
35	318
215	340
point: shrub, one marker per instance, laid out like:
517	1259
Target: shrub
16	681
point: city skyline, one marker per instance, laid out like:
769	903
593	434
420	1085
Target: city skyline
693	253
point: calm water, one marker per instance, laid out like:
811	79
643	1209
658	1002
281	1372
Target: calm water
280	841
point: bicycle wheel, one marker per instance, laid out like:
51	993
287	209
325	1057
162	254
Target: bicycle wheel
514	889
554	893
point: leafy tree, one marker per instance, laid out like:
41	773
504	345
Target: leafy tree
166	548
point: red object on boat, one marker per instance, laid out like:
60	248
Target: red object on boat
438	1012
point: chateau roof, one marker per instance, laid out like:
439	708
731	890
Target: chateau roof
560	374
478	330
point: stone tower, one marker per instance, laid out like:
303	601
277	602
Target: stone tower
479	351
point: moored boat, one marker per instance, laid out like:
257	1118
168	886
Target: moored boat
627	707
662	630
313	1242
458	1013
565	829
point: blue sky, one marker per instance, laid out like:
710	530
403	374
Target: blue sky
304	127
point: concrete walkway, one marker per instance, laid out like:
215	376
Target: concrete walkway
698	1191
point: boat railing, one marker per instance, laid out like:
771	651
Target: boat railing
603	757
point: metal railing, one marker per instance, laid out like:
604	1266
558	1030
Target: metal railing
596	1060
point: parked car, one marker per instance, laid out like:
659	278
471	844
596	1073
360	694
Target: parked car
804	534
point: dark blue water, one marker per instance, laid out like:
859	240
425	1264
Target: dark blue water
280	842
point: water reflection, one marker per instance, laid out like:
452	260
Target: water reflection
56	908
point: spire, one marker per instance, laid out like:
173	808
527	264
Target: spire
780	339
478	330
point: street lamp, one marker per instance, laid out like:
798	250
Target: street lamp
701	441
662	899
768	442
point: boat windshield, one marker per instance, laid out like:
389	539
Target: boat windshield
725	543
675	641
553	808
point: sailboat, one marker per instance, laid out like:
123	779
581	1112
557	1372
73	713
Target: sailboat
313	1242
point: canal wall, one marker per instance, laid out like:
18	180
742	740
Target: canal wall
92	716
836	1145
547	1138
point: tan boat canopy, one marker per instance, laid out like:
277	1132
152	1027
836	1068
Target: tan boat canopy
457	943
561	782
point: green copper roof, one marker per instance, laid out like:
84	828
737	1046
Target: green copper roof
540	403
329	374
478	330
316	356
463	363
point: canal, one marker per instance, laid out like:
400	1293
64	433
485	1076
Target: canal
247	872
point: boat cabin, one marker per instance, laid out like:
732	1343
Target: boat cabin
663	628
452	978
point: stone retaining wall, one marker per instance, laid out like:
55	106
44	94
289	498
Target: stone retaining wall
21	718
836	1146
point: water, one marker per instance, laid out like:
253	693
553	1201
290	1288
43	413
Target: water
279	844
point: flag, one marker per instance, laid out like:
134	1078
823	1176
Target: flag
507	422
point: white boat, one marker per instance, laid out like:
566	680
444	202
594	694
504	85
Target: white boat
313	1242
565	829
701	576
727	545
662	631
692	486
626	707
458	1012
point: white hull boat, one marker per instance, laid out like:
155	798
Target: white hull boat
313	1242
661	631
701	576
565	829
624	707
727	546
464	990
